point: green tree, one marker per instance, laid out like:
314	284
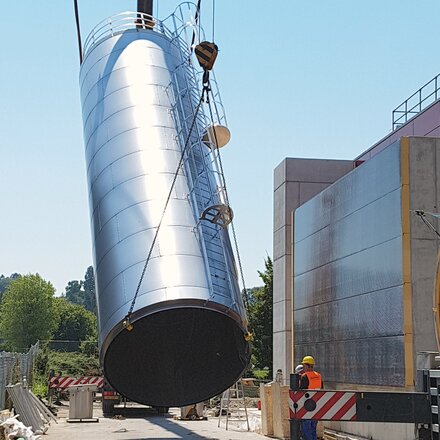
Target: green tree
261	319
75	323
5	281
75	292
27	311
89	290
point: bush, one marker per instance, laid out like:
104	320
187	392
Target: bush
260	374
73	364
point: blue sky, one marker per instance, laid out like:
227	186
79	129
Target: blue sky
298	79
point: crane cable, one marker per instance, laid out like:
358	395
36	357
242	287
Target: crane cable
234	235
127	323
78	31
197	21
213	20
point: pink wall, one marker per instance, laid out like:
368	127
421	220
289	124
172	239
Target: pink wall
426	123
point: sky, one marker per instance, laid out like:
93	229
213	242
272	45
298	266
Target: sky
315	79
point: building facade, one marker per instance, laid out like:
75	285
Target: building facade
355	267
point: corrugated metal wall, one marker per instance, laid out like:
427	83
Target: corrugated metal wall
348	287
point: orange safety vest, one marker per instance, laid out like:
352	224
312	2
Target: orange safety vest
315	380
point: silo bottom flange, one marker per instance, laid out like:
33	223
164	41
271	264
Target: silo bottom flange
176	357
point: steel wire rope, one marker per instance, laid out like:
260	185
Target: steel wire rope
127	323
197	22
422	215
78	30
213	20
234	235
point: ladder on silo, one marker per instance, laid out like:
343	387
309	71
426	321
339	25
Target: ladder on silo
233	399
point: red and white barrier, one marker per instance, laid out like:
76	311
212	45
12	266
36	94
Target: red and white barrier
322	405
63	382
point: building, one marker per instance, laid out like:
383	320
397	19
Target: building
355	267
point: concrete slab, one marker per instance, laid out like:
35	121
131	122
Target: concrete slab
151	426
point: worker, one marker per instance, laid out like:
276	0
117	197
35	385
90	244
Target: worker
310	380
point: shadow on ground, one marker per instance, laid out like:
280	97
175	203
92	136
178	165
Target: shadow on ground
164	421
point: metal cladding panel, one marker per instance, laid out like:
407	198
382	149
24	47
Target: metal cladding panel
129	82
348	284
373	361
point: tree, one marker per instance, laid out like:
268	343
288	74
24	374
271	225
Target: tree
89	290
83	292
27	311
75	323
4	282
74	292
261	318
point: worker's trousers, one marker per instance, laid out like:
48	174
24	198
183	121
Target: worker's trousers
308	429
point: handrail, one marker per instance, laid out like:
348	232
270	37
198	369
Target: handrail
127	20
418	101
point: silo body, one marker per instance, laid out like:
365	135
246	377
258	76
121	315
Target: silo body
187	342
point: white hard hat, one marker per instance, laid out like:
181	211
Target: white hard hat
299	369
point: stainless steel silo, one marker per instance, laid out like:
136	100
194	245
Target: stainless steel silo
139	95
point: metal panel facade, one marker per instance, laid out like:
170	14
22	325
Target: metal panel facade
348	295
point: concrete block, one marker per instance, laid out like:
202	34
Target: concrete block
437	177
423	277
282	316
282	278
316	170
279	174
286	199
279	207
378	431
423	183
282	354
309	190
282	244
280	404
266	410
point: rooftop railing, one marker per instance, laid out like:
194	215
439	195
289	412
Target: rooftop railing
418	101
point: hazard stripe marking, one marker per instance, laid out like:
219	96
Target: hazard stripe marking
342	413
63	382
330	405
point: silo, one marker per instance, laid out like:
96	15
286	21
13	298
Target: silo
140	95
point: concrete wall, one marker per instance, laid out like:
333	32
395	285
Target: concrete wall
295	182
420	189
424	172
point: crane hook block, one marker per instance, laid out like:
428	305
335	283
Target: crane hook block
127	324
206	54
248	336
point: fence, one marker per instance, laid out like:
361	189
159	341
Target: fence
418	101
14	367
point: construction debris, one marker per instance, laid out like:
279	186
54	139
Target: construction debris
29	409
14	429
